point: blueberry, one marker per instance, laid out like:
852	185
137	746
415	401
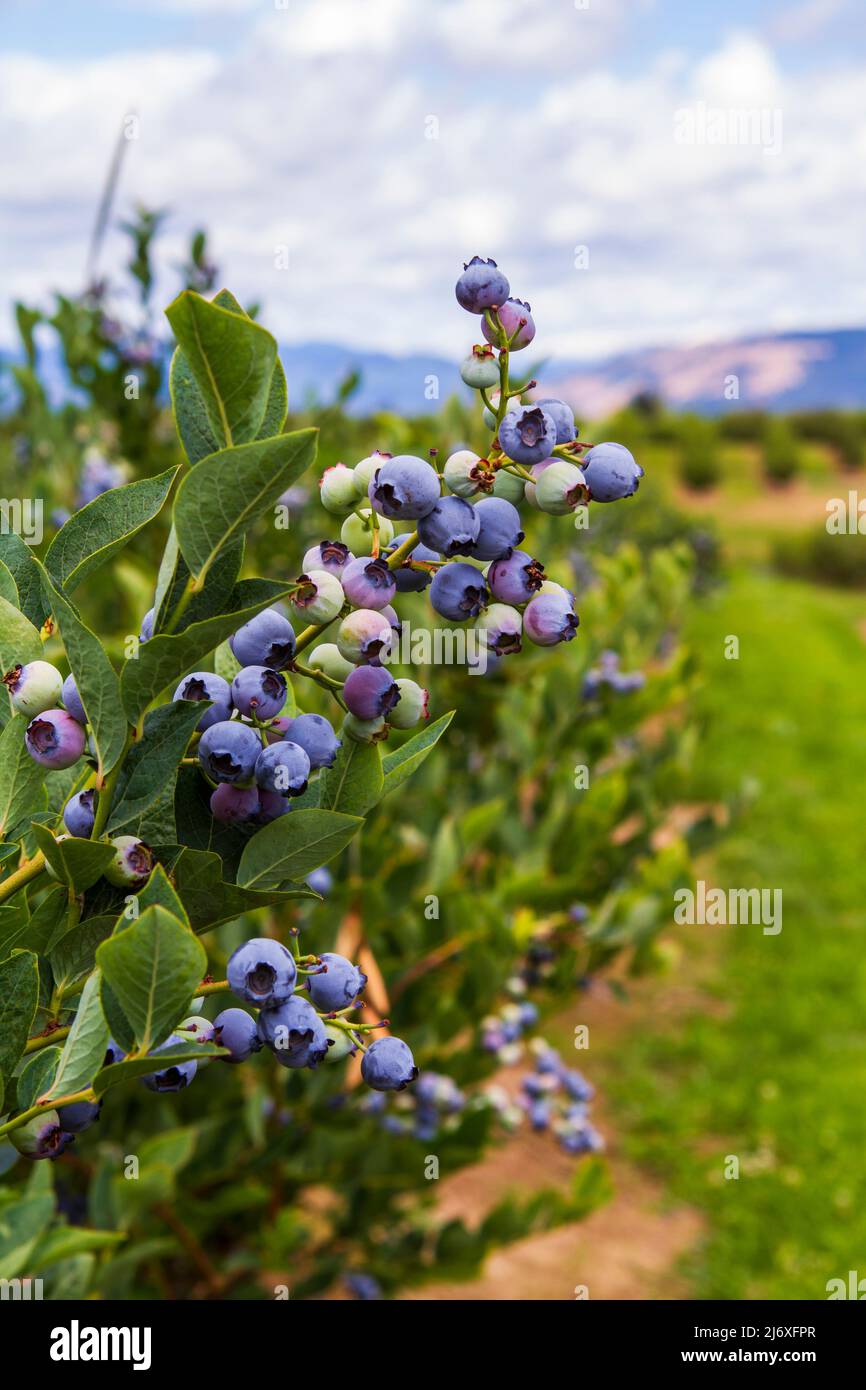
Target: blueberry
318	598
339	490
481	286
196	1028
364	637
404	488
79	1116
539	1114
71	700
516	578
412	705
321	881
79	813
407	579
268	639
326	657
272	805
172	1078
132	863
363	1286
516	319
228	751
451	528
370	692
512	404
369	583
42	1137
458	592
464	473
549	618
499	530
55	739
562	416
527	435
561	488
509	486
365	730
502	629
262	972
259	691
611	472
234	805
146	630
204	685
237	1031
481	368
34	687
359	531
283	767
316	736
530	489
364	470
338	986
332	556
340	1043
294	1032
388	1065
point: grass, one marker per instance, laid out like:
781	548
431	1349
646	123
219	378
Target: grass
773	1070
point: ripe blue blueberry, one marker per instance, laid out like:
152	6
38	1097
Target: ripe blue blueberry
527	435
502	629
369	583
388	1065
132	863
204	685
234	805
34	687
339	490
55	739
404	488
262	972
272	805
268	639
146	629
562	416
71	700
516	578
294	1032
459	592
561	488
236	1030
321	881
174	1077
412	705
516	319
42	1137
481	286
79	1116
611	472
480	369
316	736
370	692
364	637
499	530
259	691
550	618
79	814
338	986
319	597
451	528
283	767
408	579
228	751
332	556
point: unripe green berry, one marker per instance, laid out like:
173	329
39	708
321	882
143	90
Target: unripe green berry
340	490
411	706
513	404
34	688
319	599
343	1044
327	659
357	532
509	486
365	470
365	730
561	488
132	862
462	473
480	369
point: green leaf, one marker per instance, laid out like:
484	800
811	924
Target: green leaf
46	925
18	558
406	759
8	587
20	777
159	891
119	1072
85	1046
197	875
62	1242
213	598
104	526
232	361
36	1076
21	1226
19	995
165	658
224	495
153	761
14	922
354	781
19	641
77	863
153	968
96	678
74	954
118	1023
292	846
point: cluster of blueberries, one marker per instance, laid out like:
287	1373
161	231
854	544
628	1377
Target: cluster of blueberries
607	675
98	475
556	1098
421	1112
502	1033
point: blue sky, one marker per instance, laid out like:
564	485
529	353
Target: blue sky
300	130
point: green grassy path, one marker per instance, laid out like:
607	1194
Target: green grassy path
776	1075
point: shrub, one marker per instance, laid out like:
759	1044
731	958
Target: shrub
781	456
699	465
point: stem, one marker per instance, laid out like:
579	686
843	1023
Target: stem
328	683
310	634
106	792
29	870
399	555
183	604
40	1108
46	1039
211	987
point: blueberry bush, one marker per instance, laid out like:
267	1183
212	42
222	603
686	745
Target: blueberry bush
171	799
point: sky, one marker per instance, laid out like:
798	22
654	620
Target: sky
646	172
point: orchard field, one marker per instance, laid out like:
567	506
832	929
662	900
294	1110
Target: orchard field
503	877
